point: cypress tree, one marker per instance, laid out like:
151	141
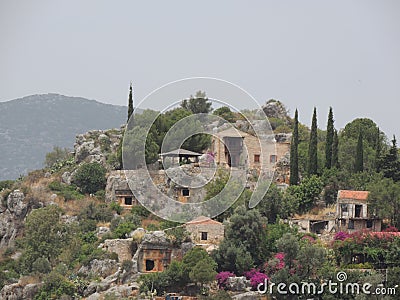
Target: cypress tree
130	102
390	162
359	163
329	140
312	149
294	156
335	150
378	152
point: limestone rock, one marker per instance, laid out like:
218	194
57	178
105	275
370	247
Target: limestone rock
16	204
275	109
120	246
238	283
17	291
102	268
247	296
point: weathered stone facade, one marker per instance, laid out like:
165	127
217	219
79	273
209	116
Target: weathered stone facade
233	147
352	212
205	231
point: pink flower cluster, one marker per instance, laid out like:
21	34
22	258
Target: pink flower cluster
222	278
255	277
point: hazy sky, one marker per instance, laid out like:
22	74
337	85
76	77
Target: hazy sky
344	54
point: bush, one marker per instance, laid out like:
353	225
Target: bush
116	207
99	213
41	265
6	184
55	286
90	177
222	279
57	155
68	192
140	211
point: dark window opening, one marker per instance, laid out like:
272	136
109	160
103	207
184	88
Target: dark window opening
369	223
128	200
204	236
149	265
272	159
358	211
351	224
185	192
343	223
256	158
344	207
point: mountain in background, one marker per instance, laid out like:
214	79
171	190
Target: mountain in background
31	126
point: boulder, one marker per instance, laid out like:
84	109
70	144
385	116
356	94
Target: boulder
102	268
237	284
16	203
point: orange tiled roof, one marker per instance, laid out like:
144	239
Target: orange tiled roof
203	220
355	195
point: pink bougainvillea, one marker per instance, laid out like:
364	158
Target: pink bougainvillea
341	236
256	277
390	229
222	279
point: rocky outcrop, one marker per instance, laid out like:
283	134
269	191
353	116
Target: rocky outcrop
12	215
122	247
18	291
97	145
238	284
275	109
102	268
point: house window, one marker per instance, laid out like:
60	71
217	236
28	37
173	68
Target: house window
369	223
185	193
343	223
128	200
256	158
204	236
358	211
344	207
351	224
272	158
149	265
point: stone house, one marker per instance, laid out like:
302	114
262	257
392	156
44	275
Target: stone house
205	231
317	225
352	212
235	148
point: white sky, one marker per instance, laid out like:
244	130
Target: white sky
344	54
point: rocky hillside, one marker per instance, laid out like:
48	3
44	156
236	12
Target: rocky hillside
31	126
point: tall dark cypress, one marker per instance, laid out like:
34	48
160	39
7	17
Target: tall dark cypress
390	162
359	163
294	155
378	152
335	150
329	140
312	149
130	102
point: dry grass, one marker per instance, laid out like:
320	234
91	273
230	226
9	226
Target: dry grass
24	280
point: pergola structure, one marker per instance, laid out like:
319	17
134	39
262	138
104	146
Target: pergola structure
181	154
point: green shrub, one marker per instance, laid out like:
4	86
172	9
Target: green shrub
41	265
99	213
90	177
152	227
116	207
68	192
56	156
6	184
55	286
140	211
